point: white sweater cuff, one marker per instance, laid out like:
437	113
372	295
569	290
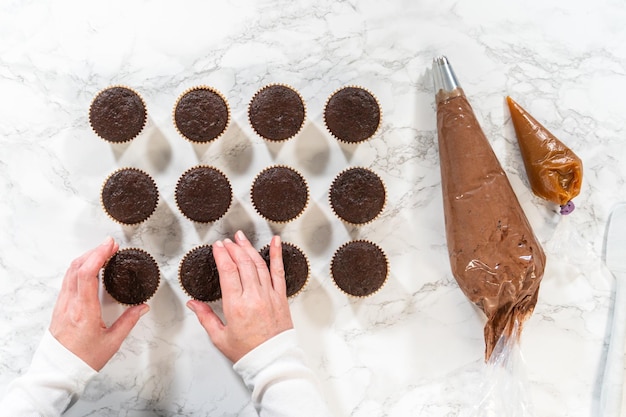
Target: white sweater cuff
281	382
54	381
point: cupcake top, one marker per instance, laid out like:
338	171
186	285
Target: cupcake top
352	114
359	268
357	195
198	274
276	112
203	194
131	276
201	114
296	266
129	196
279	194
117	114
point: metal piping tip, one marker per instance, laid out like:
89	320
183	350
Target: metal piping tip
443	75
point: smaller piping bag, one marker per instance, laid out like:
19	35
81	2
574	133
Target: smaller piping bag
554	171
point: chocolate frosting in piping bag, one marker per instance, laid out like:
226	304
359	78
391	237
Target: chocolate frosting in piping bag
494	255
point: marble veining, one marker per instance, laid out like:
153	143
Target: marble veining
414	348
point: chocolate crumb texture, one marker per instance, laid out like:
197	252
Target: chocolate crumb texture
277	112
352	114
359	268
357	196
203	194
129	196
201	114
131	276
279	194
117	114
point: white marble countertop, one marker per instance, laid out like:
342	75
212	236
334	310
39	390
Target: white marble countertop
416	347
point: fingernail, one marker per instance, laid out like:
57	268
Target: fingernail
241	236
144	310
277	241
107	242
190	306
228	240
218	243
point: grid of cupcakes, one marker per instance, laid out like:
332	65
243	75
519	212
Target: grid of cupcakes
357	195
199	278
129	196
117	114
201	114
279	193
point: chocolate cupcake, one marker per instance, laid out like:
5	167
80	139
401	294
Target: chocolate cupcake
198	274
277	112
279	193
129	196
295	264
203	194
357	195
131	276
117	114
359	268
201	114
352	114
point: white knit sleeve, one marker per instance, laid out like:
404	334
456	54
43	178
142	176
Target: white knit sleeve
54	381
282	384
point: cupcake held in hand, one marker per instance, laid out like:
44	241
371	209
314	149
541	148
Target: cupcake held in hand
131	276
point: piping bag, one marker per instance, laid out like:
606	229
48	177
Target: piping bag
555	174
554	171
494	255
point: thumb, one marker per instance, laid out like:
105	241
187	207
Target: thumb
207	318
125	323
